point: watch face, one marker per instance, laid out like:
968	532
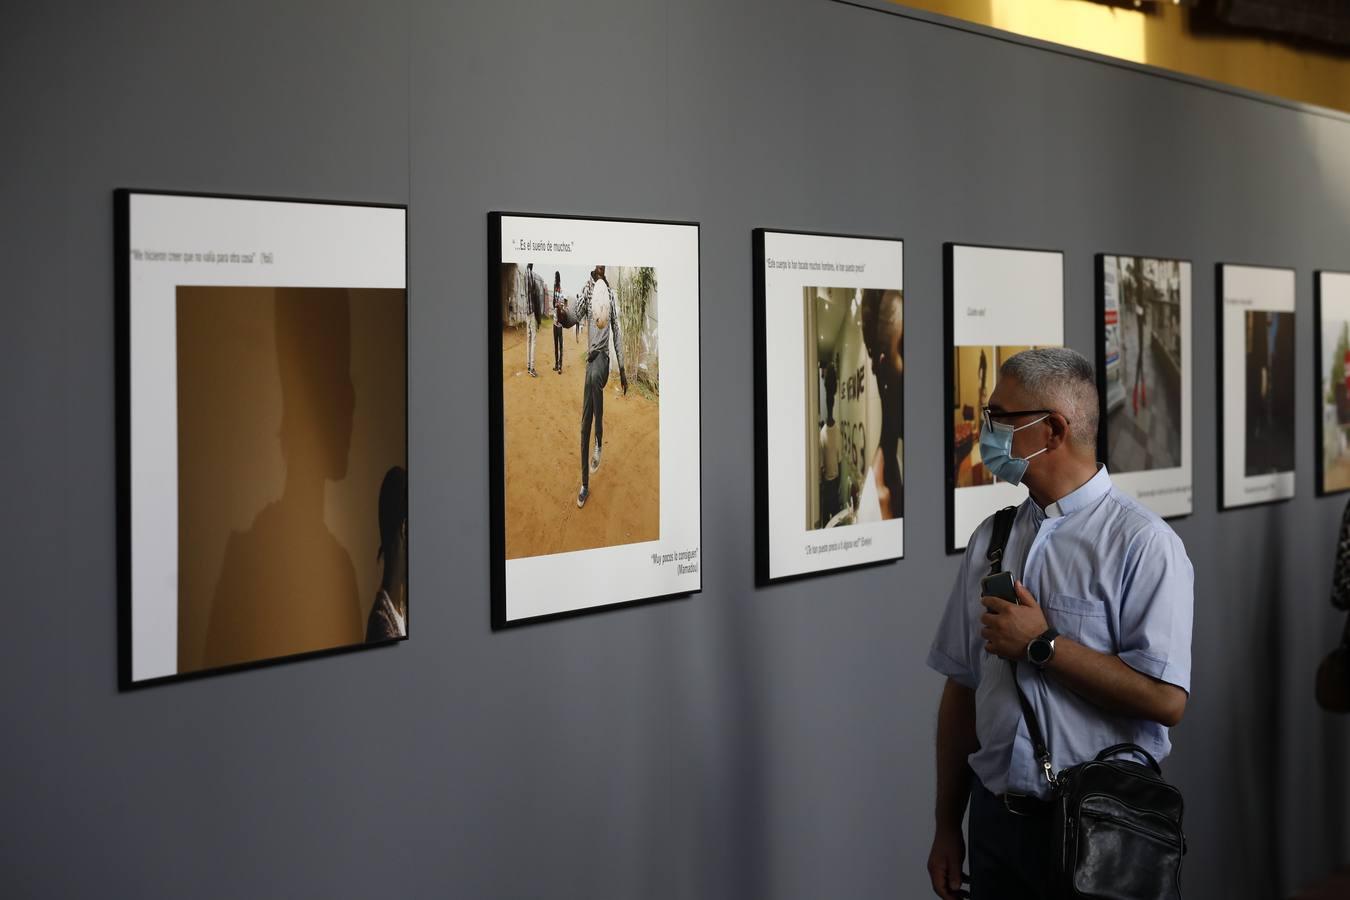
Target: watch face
1038	651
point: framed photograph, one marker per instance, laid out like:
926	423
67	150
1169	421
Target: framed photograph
262	430
999	302
1144	378
1256	384
593	399
1331	291
829	402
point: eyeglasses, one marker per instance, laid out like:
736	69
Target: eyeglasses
990	414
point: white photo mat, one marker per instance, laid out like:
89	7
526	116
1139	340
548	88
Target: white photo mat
1166	491
1244	289
996	297
538	587
277	243
792	264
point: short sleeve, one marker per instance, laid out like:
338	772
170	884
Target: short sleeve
1157	608
950	653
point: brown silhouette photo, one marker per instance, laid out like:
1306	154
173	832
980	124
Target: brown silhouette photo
292	471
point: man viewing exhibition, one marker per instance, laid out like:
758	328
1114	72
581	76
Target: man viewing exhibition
1105	603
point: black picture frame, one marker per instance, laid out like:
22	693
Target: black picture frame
1099	359
123	399
948	377
1319	462
1220	440
499	619
763	578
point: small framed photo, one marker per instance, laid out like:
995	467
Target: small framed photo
594	422
1144	378
999	302
1332	346
1256	384
829	402
262	430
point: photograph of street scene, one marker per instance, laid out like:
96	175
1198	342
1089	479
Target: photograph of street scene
854	406
1143	334
581	401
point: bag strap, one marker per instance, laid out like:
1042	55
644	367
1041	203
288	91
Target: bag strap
1039	749
1130	748
998	543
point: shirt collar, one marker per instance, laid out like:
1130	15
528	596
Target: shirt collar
1084	496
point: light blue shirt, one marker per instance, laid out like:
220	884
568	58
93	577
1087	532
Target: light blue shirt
1109	574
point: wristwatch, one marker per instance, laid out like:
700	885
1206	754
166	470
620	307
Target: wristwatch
1042	649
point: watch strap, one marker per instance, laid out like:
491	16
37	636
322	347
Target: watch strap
1046	637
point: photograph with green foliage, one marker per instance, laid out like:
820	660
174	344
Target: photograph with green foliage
1335	404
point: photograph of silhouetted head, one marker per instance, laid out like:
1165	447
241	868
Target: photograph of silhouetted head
1269	371
292	471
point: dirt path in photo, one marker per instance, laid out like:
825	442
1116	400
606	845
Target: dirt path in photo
543	454
1337	474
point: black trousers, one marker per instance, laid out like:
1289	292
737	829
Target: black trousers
557	347
1009	854
593	409
829	499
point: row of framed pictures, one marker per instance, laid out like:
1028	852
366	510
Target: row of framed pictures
263	424
263	414
830	396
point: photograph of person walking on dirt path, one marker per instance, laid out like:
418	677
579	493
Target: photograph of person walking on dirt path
554	505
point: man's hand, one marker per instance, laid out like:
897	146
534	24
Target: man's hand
1009	627
944	862
623	382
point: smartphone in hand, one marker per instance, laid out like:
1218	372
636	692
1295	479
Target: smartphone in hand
1000	585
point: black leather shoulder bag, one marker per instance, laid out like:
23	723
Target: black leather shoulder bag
1117	824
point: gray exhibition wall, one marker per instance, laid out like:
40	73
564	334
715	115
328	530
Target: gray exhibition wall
744	743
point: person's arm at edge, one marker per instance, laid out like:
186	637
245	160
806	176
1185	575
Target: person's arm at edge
956	741
618	343
579	307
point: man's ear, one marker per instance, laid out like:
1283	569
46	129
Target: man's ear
1059	431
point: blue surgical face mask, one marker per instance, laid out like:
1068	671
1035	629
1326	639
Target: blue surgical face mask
996	440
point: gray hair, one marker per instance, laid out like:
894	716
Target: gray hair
1063	380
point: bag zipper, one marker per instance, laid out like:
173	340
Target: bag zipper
1179	841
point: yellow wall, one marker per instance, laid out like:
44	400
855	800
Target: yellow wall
1162	38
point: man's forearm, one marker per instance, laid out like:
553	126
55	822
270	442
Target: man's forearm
956	741
1110	683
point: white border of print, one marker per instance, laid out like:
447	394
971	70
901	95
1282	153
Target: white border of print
537	587
998	297
794	550
312	244
1246	288
1168	492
